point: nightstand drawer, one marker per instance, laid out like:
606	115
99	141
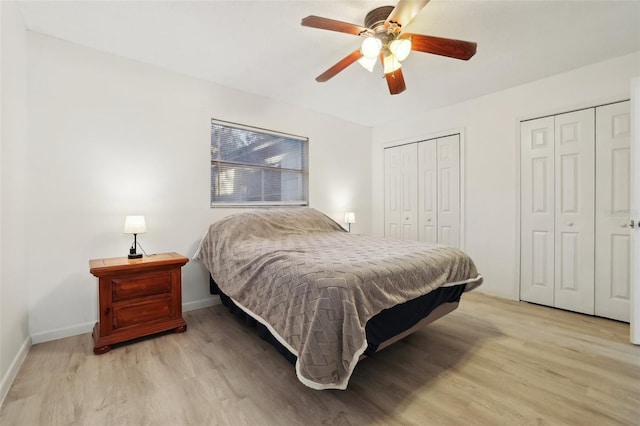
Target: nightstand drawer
141	313
137	286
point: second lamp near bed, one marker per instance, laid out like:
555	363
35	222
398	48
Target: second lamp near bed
349	218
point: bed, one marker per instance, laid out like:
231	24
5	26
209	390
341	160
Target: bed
326	296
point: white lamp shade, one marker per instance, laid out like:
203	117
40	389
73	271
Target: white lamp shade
368	63
391	63
400	48
134	225
350	217
371	47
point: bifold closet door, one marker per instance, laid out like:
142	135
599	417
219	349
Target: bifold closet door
537	211
439	190
613	257
557	211
574	205
428	191
400	192
575	187
448	149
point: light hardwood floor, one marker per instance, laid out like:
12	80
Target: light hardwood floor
491	362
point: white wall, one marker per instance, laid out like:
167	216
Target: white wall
110	137
491	125
14	332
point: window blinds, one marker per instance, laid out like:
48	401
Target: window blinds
251	166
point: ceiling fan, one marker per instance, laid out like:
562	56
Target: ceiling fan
384	40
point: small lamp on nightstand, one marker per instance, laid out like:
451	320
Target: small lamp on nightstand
134	225
349	218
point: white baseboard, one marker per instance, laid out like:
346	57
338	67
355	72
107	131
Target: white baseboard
61	333
8	378
202	303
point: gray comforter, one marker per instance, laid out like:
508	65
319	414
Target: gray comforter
315	286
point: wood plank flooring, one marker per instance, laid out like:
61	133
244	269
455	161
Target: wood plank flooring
491	362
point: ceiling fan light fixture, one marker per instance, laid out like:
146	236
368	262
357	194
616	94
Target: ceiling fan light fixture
371	47
400	47
367	63
391	63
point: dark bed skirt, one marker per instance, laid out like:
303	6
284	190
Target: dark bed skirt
381	327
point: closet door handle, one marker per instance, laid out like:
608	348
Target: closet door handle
569	223
624	225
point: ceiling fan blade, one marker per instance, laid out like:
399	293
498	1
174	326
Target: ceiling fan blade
332	25
342	64
458	49
405	11
395	79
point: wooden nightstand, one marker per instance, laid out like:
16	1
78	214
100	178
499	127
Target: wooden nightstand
137	297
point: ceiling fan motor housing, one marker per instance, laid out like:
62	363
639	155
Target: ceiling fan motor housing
376	18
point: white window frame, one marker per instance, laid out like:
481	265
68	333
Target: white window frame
304	172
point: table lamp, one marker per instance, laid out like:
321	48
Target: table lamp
349	218
134	225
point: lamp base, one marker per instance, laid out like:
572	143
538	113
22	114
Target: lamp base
135	256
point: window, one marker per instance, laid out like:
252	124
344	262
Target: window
251	166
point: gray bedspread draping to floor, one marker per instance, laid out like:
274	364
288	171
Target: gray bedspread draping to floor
315	286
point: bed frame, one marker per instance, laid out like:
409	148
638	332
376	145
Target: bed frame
436	314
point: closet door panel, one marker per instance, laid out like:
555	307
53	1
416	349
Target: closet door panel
427	190
537	211
612	250
401	207
392	193
410	191
448	164
574	211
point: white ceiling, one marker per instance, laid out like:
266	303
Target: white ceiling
260	46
